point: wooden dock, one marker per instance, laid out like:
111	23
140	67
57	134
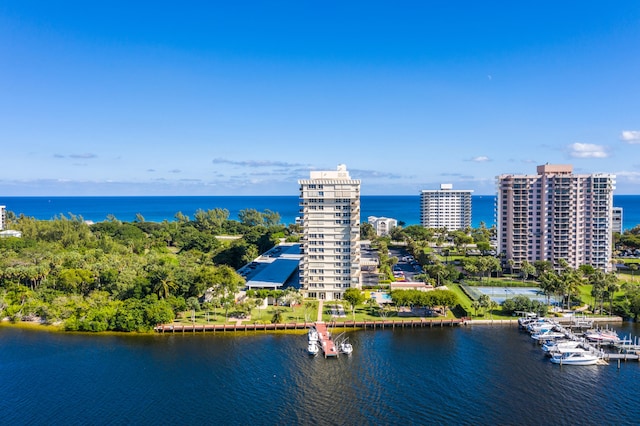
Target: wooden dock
326	343
382	324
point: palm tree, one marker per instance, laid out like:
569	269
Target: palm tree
162	280
194	305
476	305
437	271
633	267
526	269
611	286
485	302
569	283
597	280
371	304
277	316
308	305
549	283
492	305
511	264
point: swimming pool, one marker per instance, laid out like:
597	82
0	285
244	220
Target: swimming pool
381	297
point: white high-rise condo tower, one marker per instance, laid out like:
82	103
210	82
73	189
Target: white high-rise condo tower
555	215
445	208
330	211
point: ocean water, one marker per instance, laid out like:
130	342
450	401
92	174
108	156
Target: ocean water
475	375
156	209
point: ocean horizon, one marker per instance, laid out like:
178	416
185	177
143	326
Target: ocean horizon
154	208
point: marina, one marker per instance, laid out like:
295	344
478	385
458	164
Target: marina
569	345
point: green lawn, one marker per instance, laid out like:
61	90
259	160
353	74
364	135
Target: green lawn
289	315
364	313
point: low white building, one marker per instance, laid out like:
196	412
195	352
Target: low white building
10	233
382	225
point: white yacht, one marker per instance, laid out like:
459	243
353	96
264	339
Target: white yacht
602	336
556	346
313	348
575	357
345	348
313	335
541	325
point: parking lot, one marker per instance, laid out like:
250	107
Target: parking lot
406	267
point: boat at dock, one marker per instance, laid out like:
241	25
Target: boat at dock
345	348
312	348
541	325
343	345
548	335
602	336
575	357
325	342
556	346
313	335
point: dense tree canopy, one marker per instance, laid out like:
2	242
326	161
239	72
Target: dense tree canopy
123	276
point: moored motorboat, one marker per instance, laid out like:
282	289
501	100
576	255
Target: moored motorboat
555	346
313	335
345	348
602	336
575	357
541	325
548	335
313	348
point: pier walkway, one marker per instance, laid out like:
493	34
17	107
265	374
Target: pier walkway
381	324
326	343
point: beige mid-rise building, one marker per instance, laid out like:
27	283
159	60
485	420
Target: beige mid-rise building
556	214
330	211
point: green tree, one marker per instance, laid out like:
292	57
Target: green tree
633	268
250	217
526	269
194	305
598	287
277	316
611	286
367	232
353	296
475	305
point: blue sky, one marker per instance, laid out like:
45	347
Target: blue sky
220	98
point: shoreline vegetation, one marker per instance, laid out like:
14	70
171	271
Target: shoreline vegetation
68	275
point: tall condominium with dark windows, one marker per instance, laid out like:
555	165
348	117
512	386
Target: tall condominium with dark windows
330	210
555	215
445	208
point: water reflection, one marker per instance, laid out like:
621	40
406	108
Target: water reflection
467	375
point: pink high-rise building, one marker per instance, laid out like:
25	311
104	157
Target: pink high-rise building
555	215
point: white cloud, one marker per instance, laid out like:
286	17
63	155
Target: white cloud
587	150
630	136
633	177
255	163
481	159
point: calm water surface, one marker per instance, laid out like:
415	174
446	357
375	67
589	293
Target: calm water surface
468	375
158	208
